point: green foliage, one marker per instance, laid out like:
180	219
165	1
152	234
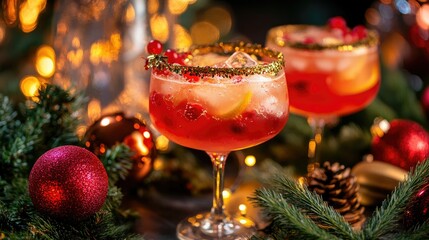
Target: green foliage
295	211
28	131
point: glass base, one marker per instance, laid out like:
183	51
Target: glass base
202	227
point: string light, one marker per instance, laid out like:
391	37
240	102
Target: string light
45	61
30	86
161	143
250	160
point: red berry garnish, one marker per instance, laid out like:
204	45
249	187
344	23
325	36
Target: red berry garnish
191	78
193	111
172	56
154	47
337	22
360	32
309	40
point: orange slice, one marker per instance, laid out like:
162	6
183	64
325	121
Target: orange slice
227	112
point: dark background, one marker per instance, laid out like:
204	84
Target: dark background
253	18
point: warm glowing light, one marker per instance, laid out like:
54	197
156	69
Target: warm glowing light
226	194
152	6
45	61
301	181
159	27
139	144
94	110
158	164
204	33
130	14
106	51
146	134
243	209
177	6
28	17
250	160
311	148
182	37
2	31
220	18
10	11
105	122
161	143
30	86
422	17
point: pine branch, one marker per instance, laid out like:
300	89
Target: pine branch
312	204
288	217
417	233
118	162
386	219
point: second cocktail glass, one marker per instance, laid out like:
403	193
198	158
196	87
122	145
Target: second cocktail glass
334	71
218	98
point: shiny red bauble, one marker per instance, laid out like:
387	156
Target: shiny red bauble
404	144
68	183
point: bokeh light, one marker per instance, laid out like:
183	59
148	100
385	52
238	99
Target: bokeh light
30	86
45	61
204	33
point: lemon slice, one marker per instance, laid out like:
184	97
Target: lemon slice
235	109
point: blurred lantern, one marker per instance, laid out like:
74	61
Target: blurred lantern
116	128
99	48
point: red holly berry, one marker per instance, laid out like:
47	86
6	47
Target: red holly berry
154	47
359	32
337	22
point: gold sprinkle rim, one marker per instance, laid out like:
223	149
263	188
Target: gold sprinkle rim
159	61
276	34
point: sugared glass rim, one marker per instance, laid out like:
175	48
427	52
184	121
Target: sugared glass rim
275	35
159	61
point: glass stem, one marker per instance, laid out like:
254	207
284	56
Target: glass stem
317	125
218	208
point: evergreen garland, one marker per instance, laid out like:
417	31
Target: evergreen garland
288	206
26	132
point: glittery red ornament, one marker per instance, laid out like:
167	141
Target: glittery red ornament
68	183
403	143
417	210
117	128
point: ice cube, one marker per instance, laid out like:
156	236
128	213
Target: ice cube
325	65
271	105
240	59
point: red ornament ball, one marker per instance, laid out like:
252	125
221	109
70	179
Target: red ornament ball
403	143
417	210
68	183
117	128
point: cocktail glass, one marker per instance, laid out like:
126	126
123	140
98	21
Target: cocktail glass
333	71
223	97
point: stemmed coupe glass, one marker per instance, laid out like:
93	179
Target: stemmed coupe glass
334	71
218	98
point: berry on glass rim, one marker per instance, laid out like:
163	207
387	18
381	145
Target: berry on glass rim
337	22
359	32
154	47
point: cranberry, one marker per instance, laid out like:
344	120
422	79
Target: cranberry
172	56
359	32
154	47
337	22
191	78
192	111
156	98
309	40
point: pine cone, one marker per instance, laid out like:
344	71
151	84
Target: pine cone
338	187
